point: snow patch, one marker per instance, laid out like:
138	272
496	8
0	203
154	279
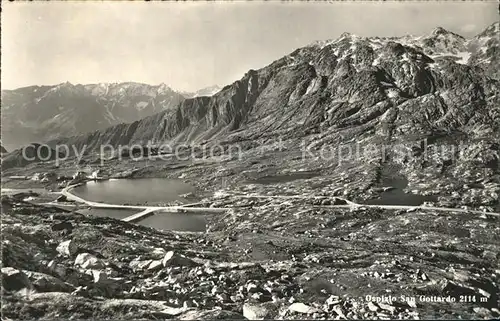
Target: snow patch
464	57
392	93
141	105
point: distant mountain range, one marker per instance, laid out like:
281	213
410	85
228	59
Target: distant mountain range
208	91
42	113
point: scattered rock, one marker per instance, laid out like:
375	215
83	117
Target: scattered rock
67	248
340	312
58	269
483	312
256	311
88	261
62	226
489	255
215	314
188	304
14	279
303	308
333	300
140	265
223	297
422	275
172	311
46	283
372	306
157	253
155	265
252	288
387	307
411	303
216	289
100	277
175	259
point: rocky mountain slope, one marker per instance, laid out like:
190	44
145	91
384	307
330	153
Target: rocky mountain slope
41	113
30	154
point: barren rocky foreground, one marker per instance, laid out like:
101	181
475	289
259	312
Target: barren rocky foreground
298	261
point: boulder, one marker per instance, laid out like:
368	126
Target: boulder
175	259
387	307
67	248
155	265
47	283
333	300
256	311
456	289
14	279
215	314
157	253
140	265
57	269
483	312
216	290
100	277
61	226
252	288
372	306
303	308
88	261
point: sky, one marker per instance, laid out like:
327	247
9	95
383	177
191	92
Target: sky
189	45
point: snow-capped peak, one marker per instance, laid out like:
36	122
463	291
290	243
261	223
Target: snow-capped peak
208	91
163	88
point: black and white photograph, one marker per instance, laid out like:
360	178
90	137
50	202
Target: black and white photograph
250	160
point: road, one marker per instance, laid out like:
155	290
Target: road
149	210
139	216
351	204
425	208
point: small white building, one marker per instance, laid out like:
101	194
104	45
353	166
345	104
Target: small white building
95	174
80	175
36	177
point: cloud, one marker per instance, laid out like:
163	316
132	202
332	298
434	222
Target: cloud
468	27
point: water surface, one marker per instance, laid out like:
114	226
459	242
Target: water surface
397	196
134	191
176	222
150	191
109	212
159	220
